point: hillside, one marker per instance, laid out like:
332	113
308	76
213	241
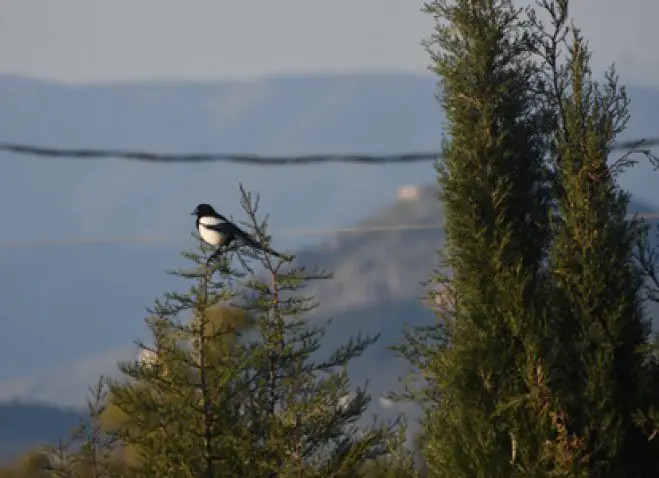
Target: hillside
24	426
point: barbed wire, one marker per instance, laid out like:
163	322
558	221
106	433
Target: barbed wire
296	232
253	159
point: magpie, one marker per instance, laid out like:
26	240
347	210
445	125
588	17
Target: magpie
217	230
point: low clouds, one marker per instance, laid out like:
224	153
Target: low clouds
65	385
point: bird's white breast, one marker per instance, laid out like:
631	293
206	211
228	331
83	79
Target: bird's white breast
208	235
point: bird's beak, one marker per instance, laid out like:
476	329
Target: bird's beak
193	213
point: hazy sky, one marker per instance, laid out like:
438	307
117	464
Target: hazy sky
91	40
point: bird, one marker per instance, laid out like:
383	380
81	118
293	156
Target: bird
216	230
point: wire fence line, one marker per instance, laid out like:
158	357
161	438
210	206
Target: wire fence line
255	159
296	232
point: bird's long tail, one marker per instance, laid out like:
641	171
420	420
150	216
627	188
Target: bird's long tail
257	245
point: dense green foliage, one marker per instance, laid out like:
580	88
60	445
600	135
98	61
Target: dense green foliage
595	284
494	193
539	364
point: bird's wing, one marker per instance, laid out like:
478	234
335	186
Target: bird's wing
248	239
221	227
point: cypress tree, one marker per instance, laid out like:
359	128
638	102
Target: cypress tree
596	283
493	192
180	400
540	364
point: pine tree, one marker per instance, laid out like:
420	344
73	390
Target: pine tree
210	402
231	320
477	361
596	284
180	402
300	407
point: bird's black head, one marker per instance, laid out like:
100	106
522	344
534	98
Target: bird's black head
204	210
